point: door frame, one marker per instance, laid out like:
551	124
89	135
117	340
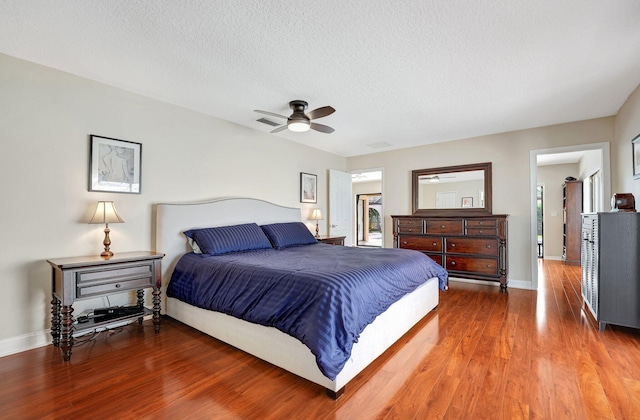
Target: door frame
605	166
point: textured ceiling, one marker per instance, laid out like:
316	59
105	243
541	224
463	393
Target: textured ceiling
399	73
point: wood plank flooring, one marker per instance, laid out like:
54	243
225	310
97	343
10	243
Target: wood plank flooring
480	355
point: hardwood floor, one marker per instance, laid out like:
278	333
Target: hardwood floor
481	355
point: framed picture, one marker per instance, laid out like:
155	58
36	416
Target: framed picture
635	152
114	165
467	202
308	188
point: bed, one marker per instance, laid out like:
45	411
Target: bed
267	342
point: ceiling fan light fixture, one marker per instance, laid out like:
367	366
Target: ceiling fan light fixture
299	126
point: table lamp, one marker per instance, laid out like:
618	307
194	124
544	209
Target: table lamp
316	215
106	213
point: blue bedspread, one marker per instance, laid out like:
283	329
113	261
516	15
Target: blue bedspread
324	295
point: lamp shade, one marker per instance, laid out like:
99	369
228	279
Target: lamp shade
316	214
105	213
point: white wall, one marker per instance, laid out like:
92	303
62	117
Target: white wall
509	154
46	117
627	127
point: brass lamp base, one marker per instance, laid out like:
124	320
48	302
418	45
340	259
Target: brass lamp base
107	244
317	231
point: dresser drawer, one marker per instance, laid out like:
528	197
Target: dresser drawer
480	223
486	266
421	243
437	258
481	231
476	246
444	226
410	226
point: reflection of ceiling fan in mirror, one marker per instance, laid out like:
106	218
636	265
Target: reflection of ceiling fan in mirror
299	121
433	178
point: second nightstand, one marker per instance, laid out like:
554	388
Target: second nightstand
332	240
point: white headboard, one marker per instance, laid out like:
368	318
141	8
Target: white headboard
174	218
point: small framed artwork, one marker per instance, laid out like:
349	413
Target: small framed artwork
114	165
467	202
635	149
308	188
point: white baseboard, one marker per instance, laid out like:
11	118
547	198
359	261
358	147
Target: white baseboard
511	284
25	342
34	340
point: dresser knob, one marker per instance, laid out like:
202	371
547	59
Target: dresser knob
488	265
441	226
453	245
404	242
453	263
434	244
481	231
410	230
488	246
480	223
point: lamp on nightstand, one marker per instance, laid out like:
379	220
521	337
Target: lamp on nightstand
106	213
316	215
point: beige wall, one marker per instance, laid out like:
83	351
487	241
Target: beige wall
627	127
509	154
46	117
552	177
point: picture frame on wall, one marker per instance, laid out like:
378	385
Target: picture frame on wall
308	188
467	202
635	153
114	165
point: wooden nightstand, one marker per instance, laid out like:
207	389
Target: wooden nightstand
89	277
332	240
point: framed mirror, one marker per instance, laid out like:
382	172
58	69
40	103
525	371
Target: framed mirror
452	190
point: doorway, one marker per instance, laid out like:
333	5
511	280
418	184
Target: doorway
368	196
599	158
369	219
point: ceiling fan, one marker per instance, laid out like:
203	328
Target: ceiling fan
299	121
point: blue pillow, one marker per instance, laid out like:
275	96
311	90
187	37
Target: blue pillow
284	235
225	239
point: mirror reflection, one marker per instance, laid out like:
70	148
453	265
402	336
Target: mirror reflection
453	190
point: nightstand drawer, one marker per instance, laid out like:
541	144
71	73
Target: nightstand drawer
112	287
97	281
121	272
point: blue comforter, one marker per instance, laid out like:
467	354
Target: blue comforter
324	295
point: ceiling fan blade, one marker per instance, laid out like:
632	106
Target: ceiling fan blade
320	112
322	128
279	129
270	113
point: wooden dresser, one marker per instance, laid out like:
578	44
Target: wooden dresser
472	247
